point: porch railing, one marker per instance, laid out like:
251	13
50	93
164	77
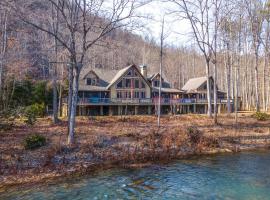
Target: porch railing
164	101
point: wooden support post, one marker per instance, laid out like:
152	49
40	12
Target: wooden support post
136	110
110	110
149	110
83	110
219	108
119	110
79	111
194	108
101	111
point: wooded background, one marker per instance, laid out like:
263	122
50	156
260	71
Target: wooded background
243	35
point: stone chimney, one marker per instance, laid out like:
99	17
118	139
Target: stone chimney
144	70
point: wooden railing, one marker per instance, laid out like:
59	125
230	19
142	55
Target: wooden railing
150	101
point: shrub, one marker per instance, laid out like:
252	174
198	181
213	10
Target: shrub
36	109
34	141
194	135
33	111
261	116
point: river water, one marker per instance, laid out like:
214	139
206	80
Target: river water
227	176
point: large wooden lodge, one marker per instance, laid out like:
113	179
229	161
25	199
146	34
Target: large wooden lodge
132	91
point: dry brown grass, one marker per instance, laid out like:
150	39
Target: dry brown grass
125	141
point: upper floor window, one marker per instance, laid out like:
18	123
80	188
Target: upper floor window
142	85
142	95
130	73
136	94
120	84
156	83
128	83
128	95
119	94
91	81
137	83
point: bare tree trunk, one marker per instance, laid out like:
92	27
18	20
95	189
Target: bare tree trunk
209	102
55	108
215	62
263	83
70	88
228	69
60	101
2	54
55	30
257	81
160	72
73	106
215	93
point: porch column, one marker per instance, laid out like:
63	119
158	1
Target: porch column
79	111
83	110
119	109
101	111
136	110
194	108
149	110
205	109
110	111
219	108
188	111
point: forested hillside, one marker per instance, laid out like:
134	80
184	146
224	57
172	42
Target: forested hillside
28	53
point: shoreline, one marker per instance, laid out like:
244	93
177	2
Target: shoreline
105	143
52	177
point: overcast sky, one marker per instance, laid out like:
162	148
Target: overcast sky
178	31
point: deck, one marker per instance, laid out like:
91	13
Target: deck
145	101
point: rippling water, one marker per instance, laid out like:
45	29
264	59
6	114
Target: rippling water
232	176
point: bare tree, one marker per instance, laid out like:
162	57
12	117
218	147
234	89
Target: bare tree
3	46
160	70
83	25
254	9
198	13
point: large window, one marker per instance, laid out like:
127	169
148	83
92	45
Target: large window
88	81
120	84
156	83
136	94
137	83
119	94
142	85
142	95
128	95
128	83
130	73
91	81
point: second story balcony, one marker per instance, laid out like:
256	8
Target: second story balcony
143	101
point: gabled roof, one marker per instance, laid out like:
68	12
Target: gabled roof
194	83
122	73
165	83
103	74
119	74
106	77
